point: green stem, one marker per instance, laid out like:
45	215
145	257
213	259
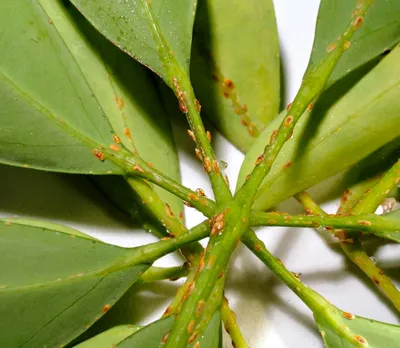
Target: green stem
154	274
317	304
313	84
231	326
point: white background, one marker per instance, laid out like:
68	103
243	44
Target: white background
269	314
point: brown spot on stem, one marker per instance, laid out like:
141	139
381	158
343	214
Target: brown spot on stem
215	77
258	247
288	121
287	165
136	168
364	222
346	45
199	308
226	180
331	47
198	154
208	136
273	137
50	21
115	147
105	308
127	132
310	107
99	155
259	159
272	222
180	95
229	83
193	197
197	345
288	107
192	337
348	315
187	204
197	104
120	103
165	337
168	311
207	165
190	327
201	264
191	134
248	176
361	340
375	280
216	166
169	210
357	23
117	139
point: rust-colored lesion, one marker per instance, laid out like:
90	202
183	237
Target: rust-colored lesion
228	90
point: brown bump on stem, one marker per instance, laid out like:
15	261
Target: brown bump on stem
310	107
273	137
259	159
226	94
217	228
190	288
216	166
165	337
117	139
258	247
273	222
127	132
120	103
215	77
357	22
288	121
169	210
197	345
115	147
207	165
287	165
192	337
226	180
201	264
105	308
375	280
165	238
287	217
168	311
221	274
199	308
346	45
244	122
288	107
136	168
187	204
193	197
198	154
99	155
280	261
355	13
361	340
331	47
191	134
210	261
247	177
229	83
348	315
208	136
191	326
197	104
364	222
200	192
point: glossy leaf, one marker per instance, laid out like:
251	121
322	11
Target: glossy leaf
367	332
49	117
110	337
128	97
235	66
56	283
340	131
131	26
152	335
377	32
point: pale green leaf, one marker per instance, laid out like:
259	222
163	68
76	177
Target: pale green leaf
339	132
235	66
56	283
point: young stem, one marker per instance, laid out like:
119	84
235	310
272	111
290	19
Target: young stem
312	86
154	274
231	326
318	305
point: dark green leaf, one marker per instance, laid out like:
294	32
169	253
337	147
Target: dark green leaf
129	24
110	337
340	131
378	31
367	332
56	283
235	66
49	117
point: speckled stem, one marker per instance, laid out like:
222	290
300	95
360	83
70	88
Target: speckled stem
368	223
154	274
312	85
318	305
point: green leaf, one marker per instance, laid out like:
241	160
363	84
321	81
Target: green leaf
56	283
235	66
127	95
378	31
49	117
133	25
110	337
340	131
152	335
366	332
